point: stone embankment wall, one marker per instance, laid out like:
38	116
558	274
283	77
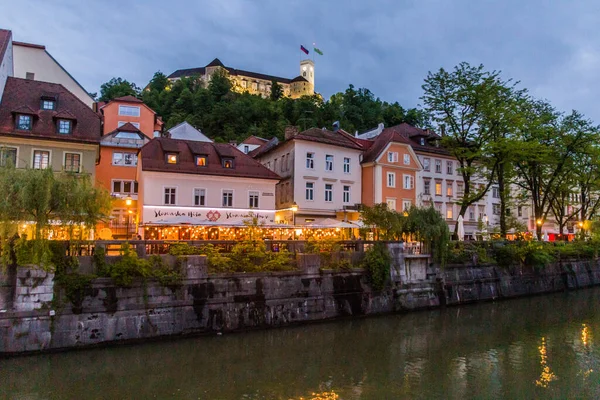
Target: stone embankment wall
35	316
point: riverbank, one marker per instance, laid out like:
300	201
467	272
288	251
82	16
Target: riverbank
40	316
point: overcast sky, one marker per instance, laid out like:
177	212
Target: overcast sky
388	46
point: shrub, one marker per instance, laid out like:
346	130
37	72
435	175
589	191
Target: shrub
184	249
128	267
377	263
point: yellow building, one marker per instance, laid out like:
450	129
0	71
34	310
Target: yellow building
256	83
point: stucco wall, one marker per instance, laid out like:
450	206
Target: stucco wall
6	67
145	120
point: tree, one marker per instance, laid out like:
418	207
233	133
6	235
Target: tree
276	91
118	87
467	105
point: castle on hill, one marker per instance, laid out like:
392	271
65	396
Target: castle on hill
254	82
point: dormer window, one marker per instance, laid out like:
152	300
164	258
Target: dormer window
24	122
201	161
228	163
65	126
422	141
48	104
172	158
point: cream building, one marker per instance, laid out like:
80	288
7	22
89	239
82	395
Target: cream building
256	83
6	58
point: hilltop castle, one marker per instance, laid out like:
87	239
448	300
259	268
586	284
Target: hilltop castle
254	82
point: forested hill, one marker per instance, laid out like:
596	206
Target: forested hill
225	115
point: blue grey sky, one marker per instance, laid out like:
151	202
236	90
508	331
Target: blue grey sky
388	46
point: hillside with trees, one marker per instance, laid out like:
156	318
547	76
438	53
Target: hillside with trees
225	115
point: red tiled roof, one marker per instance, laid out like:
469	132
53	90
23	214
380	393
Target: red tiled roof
388	135
255	140
154	159
5	36
22	94
129	98
128	127
328	137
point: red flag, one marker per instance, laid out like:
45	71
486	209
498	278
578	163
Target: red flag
304	49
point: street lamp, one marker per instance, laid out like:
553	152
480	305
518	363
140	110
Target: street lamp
128	202
294	209
539	222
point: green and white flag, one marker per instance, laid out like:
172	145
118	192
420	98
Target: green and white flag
318	51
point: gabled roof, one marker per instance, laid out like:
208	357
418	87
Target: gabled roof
300	78
255	140
232	71
338	138
265	148
128	98
153	156
215	63
186	131
389	135
128	127
27	94
5	36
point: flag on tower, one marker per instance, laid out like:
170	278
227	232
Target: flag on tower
318	51
304	49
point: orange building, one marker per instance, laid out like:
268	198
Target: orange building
389	168
128	125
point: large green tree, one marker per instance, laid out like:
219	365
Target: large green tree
118	87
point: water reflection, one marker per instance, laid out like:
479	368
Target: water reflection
511	349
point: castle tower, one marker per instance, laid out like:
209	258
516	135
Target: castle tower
307	71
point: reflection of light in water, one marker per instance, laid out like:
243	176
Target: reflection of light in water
586	340
546	376
586	337
321	396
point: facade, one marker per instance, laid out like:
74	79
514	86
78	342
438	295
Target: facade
389	171
130	109
201	184
32	61
256	83
185	131
6	58
44	125
321	174
251	143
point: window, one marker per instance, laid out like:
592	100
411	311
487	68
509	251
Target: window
41	159
24	122
496	192
438	208
172	158
244	84
406	204
426	164
199	197
201	161
427	187
310	186
72	162
422	141
29	75
129	111
449	167
310	160
121	123
391	180
48	104
438	166
126	159
283	163
520	211
328	162
227	198
407	159
125	187
246	149
409	182
438	188
64	126
449	212
496	209
460	189
391	204
392	156
346	194
328	192
346	165
228	163
253	199
8	157
170	196
449	189
471	213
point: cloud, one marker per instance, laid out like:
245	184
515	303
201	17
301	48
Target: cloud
387	46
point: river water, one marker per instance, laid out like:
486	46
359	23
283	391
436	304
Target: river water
543	347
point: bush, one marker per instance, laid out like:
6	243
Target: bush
184	249
377	263
128	267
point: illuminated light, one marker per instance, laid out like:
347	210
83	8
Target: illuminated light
539	222
128	201
298	232
249	210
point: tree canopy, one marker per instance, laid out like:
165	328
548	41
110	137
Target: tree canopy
117	87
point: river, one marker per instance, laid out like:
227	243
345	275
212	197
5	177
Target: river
540	347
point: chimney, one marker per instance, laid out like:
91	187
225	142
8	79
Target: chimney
290	132
336	126
233	143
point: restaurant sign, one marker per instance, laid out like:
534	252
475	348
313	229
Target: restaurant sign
166	215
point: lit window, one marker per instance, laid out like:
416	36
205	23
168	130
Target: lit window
8	157
172	158
328	162
228	163
391	180
346	194
310	186
328	192
253	199
199	197
129	111
449	212
48	104
449	189
227	198
64	126
438	188
24	122
72	162
170	194
41	159
346	165
201	161
407	159
310	160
